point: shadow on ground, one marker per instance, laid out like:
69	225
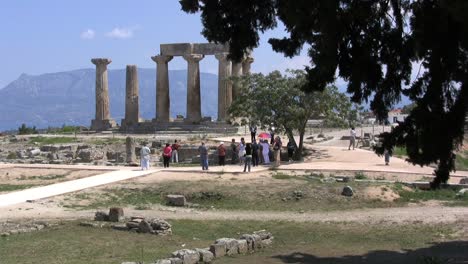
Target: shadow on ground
455	252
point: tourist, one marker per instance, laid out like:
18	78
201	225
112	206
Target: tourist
221	154
255	149
203	156
242	151
175	155
352	138
167	153
145	156
253	132
248	156
291	148
277	151
387	154
265	152
234	156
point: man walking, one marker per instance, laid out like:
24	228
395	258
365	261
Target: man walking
352	138
255	149
175	155
221	154
145	157
203	156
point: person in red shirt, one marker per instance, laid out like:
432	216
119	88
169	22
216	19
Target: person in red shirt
175	156
221	154
167	153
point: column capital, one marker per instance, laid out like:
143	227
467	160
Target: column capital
248	59
101	61
193	57
222	56
161	59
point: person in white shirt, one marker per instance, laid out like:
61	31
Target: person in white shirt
145	157
352	138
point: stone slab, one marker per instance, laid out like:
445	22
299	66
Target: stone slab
180	49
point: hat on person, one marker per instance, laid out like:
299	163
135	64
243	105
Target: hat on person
222	143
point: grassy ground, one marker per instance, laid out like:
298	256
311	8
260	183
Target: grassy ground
448	196
293	193
14	187
70	243
277	192
52	140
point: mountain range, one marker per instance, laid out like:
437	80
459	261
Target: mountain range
55	99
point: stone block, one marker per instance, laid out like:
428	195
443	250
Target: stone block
145	227
257	242
176	200
250	241
133	224
347	191
218	250
206	256
263	234
116	214
231	245
49	148
120	227
101	216
187	256
163	261
242	246
267	242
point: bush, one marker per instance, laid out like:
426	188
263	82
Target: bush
25	130
12	155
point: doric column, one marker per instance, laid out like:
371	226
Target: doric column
236	72
163	103
246	64
193	87
224	85
102	120
132	112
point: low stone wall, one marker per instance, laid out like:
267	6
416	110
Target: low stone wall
247	243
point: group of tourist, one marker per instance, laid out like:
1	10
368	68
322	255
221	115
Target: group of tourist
246	154
252	154
171	152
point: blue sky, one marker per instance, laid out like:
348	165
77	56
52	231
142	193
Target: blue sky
60	35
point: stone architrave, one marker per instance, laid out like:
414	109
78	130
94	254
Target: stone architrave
246	65
130	150
193	87
224	85
132	113
102	120
162	88
236	72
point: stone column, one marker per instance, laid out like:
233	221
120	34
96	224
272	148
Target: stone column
102	120
130	150
132	113
246	64
163	104
224	85
193	87
236	72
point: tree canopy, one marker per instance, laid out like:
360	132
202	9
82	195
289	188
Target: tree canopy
279	100
374	45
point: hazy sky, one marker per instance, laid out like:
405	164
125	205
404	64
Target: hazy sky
60	35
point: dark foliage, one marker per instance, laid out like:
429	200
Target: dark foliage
374	45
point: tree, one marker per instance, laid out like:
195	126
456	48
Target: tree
279	100
373	45
25	130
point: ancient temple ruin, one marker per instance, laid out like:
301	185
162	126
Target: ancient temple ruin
193	53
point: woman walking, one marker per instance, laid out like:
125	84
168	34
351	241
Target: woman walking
277	149
248	156
167	154
265	152
221	154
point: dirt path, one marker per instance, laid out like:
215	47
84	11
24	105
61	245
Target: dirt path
427	214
